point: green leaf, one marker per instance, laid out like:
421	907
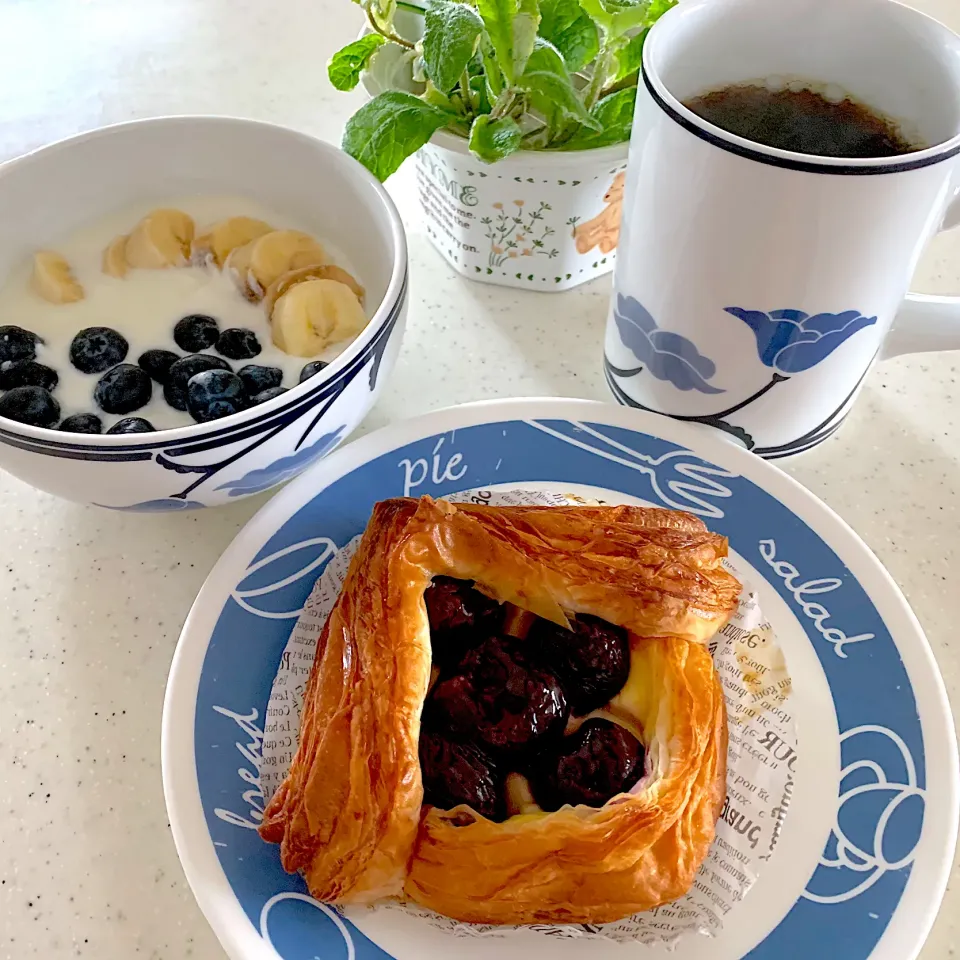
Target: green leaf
512	29
552	88
435	98
388	129
546	56
659	7
346	65
492	140
481	93
613	116
616	17
630	56
450	38
525	25
565	24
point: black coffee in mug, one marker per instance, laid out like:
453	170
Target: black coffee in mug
803	121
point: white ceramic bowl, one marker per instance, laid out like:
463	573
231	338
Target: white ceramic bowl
54	190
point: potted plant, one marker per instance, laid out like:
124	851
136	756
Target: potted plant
519	112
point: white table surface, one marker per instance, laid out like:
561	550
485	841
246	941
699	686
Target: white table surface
91	602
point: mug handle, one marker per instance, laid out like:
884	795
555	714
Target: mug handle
926	323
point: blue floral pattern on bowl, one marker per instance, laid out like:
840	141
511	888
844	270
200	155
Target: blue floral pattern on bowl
283	469
791	341
667	355
169	505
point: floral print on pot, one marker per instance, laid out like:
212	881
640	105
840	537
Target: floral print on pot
538	220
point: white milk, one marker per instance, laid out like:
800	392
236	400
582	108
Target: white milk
145	305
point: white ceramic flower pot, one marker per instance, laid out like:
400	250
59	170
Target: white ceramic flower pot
540	220
543	220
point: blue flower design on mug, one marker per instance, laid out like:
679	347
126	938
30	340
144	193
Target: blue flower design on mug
791	341
667	355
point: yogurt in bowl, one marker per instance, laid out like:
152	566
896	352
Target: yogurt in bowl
75	197
202	305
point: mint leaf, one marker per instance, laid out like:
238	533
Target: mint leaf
346	65
553	88
388	129
630	56
550	87
449	40
512	29
565	24
546	56
616	17
613	115
659	7
525	25
492	140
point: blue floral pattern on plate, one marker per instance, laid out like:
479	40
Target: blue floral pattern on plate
791	341
667	355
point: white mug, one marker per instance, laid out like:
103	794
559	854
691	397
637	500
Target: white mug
754	286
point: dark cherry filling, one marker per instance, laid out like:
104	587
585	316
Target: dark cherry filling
592	660
501	704
500	699
460	618
455	773
596	763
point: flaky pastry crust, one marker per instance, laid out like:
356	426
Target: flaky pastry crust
349	815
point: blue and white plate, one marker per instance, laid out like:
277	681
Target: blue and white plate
865	852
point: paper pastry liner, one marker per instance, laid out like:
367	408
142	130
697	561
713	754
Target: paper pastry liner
760	757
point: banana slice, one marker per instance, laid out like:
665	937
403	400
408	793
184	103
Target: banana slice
317	271
53	279
279	252
313	314
161	239
221	240
115	257
238	264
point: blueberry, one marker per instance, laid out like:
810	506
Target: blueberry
175	389
257	379
32	405
27	373
196	332
238	344
312	369
97	349
264	395
213	394
82	423
17	344
157	363
123	389
132	425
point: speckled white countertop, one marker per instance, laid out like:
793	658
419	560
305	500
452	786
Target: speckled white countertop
91	602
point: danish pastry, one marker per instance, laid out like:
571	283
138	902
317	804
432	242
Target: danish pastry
512	716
